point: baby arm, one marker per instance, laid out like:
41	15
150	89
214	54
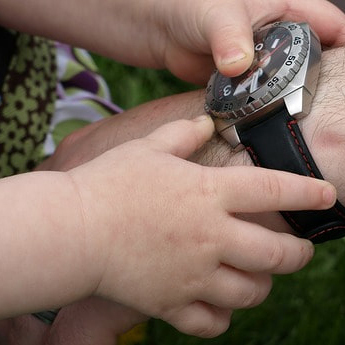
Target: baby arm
61	249
139	219
322	130
43	244
183	36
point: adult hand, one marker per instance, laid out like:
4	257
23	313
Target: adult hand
91	321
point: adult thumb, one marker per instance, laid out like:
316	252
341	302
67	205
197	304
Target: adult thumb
182	137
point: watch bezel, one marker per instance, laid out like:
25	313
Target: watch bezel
272	88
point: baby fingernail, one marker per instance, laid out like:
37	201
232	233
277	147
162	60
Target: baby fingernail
201	118
233	56
329	195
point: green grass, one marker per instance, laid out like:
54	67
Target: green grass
131	86
304	308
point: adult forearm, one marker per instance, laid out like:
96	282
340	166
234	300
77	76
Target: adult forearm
323	130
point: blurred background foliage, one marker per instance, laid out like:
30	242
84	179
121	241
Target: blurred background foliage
131	86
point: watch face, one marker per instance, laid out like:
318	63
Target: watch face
272	47
279	52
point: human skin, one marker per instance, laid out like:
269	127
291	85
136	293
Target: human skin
91	321
203	40
323	131
121	225
185	36
108	252
63	22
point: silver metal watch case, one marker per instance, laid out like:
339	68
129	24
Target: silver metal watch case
293	85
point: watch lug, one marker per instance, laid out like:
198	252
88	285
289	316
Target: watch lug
293	89
229	133
298	103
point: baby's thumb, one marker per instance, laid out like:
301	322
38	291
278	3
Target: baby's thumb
231	39
182	137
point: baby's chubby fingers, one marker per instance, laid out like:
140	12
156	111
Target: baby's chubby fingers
229	31
263	190
228	26
181	138
327	20
253	248
201	320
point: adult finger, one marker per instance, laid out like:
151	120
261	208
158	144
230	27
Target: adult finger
231	288
23	330
182	137
93	320
253	189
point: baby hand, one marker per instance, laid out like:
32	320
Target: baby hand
164	234
198	30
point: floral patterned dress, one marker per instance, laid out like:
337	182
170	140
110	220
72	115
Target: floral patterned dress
49	90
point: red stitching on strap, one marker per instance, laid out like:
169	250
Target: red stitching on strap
339	212
287	213
253	155
325	231
312	174
289	125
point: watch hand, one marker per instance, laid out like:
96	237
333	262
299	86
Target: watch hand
250	82
261	62
255	79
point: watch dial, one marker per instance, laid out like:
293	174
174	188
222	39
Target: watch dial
272	47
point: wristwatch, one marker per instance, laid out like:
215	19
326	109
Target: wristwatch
259	111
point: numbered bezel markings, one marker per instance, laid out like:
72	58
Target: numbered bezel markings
237	108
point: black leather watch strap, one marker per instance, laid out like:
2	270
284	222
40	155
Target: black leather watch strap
277	143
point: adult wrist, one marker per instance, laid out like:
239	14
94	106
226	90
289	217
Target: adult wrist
321	130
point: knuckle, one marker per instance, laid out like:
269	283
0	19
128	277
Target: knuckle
213	329
253	298
275	255
271	187
208	183
205	332
259	292
207	324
